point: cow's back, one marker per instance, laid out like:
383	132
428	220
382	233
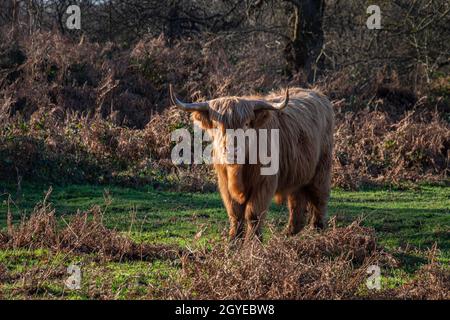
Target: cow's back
306	135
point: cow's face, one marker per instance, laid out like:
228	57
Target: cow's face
226	118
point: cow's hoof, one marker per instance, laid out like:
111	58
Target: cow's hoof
319	225
292	230
289	232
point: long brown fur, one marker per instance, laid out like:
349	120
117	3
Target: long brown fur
306	146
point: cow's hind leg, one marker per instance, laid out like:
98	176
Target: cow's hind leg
318	208
297	202
319	193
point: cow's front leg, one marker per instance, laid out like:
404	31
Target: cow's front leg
257	207
235	215
234	209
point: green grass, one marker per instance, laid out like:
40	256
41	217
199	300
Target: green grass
418	217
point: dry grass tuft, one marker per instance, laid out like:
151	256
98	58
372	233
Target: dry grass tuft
432	283
84	234
376	147
328	265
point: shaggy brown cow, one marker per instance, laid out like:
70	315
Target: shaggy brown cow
305	121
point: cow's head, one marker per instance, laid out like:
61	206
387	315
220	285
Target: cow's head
218	115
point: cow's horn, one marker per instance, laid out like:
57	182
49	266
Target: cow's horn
196	106
263	105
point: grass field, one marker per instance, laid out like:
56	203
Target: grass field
415	219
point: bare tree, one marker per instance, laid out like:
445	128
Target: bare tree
303	52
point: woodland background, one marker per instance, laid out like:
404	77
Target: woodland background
91	104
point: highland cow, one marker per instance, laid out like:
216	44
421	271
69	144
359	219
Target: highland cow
305	122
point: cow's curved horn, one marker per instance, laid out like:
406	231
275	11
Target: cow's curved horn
196	106
263	105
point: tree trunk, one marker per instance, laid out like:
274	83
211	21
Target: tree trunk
174	26
303	52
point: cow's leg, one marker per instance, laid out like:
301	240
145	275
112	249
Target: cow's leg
319	193
257	207
297	202
318	206
235	210
236	216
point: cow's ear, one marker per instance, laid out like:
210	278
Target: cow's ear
261	117
201	118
